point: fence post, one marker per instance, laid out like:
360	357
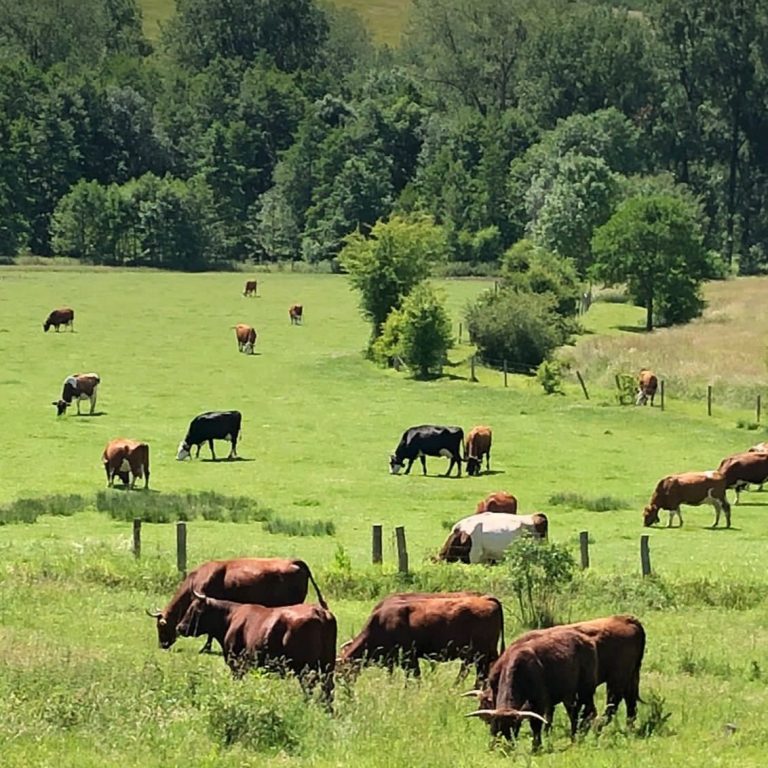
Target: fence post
645	555
583	385
460	329
181	547
757	409
472	376
495	286
376	547
709	399
137	537
584	546
661	384
618	389
402	552
505	373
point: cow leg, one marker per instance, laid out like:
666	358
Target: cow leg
232	451
207	647
197	455
93	402
210	445
488	461
408	468
423	464
77	399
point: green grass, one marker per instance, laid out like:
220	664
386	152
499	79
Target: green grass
81	680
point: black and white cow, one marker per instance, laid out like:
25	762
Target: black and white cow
428	440
77	387
210	426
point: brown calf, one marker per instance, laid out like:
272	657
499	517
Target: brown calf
691	488
476	445
296	314
250	288
123	457
63	316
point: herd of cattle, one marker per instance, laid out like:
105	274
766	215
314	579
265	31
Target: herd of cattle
253	608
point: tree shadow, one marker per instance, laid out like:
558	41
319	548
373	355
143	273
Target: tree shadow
630	328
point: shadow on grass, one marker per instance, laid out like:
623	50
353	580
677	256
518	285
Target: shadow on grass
90	415
224	461
630	328
719	528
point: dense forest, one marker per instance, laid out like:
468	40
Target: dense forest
274	129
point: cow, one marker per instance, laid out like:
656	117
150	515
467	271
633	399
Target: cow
210	426
533	675
246	338
300	638
77	387
744	469
269	581
428	440
477	445
692	488
405	627
63	316
296	314
647	384
485	537
759	448
123	457
250	288
498	502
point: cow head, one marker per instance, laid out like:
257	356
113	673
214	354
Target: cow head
61	406
395	465
193	623
183	452
46	325
650	515
473	465
166	631
456	548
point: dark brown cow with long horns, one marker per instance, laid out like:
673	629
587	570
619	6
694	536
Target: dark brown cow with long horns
63	316
122	458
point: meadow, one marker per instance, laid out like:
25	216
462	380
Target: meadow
83	682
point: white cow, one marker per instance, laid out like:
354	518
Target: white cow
484	537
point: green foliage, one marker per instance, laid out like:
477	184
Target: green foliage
294	527
387	348
538	571
653	717
593	504
550	375
27	510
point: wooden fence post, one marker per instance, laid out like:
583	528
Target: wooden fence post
661	385
137	537
460	329
757	409
402	552
505	374
645	555
472	376
583	385
376	547
181	547
709	399
584	546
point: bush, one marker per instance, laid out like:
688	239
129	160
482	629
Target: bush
425	330
550	376
388	346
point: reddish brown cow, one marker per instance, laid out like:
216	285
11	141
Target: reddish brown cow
405	627
691	488
246	338
296	314
744	469
250	288
123	457
476	445
270	581
647	384
299	638
537	672
77	387
63	316
498	502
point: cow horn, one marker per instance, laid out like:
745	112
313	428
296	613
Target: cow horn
477	693
198	595
156	614
488	714
344	645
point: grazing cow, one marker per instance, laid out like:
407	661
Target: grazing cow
485	537
759	448
123	457
498	502
691	488
77	387
210	426
296	314
428	440
533	675
269	581
63	316
250	288
477	445
647	384
744	469
405	627
300	638
246	338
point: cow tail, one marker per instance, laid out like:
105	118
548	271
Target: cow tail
311	578
501	615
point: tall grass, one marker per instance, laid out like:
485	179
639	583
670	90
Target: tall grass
591	503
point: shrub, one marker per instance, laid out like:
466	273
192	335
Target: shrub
550	376
388	346
425	330
300	527
593	504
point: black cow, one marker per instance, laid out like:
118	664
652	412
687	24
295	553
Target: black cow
210	426
428	440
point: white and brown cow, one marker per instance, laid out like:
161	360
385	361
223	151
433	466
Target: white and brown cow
77	387
246	338
296	314
123	457
692	488
647	384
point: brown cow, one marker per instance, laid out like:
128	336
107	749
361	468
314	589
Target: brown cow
246	338
123	457
647	384
691	488
270	581
296	314
77	387
476	445
744	469
501	501
250	288
759	448
63	316
405	627
537	672
300	638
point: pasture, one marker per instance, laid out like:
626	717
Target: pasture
83	682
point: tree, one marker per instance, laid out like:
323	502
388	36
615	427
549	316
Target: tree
654	244
425	330
388	264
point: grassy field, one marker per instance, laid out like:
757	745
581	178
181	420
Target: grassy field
82	682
